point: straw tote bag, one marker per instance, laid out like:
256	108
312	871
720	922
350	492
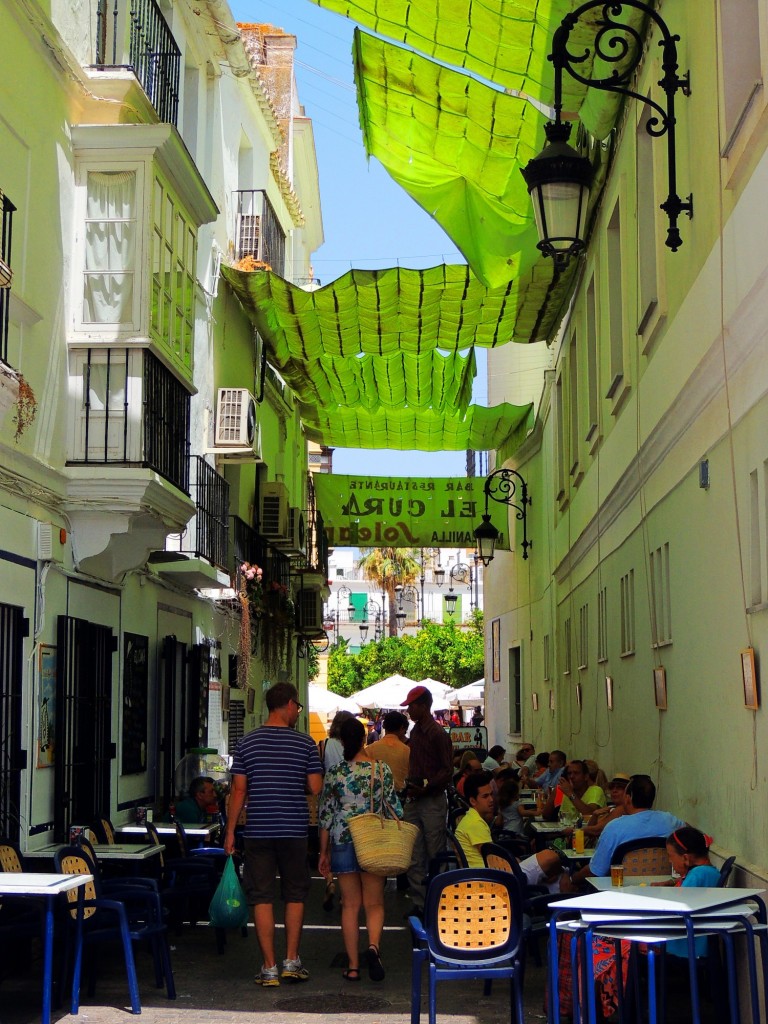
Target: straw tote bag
383	844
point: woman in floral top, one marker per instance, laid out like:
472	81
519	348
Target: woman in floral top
346	793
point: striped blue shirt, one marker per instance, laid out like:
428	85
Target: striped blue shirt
276	762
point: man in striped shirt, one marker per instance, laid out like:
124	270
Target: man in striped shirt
274	768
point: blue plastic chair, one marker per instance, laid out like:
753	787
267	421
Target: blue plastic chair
472	928
132	915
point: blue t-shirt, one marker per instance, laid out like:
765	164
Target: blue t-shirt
276	761
702	875
640	825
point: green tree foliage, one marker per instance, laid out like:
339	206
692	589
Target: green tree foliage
445	652
387	567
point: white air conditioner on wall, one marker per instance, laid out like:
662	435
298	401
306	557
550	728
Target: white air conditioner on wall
296	543
273	518
237	435
309	612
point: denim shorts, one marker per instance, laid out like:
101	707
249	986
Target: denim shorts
343	859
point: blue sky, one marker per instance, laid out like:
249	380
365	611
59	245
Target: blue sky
369	221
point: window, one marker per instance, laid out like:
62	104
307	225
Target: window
7	210
573	402
627	588
647	217
560	443
567	647
583	648
741	65
615	304
756	557
110	247
661	625
592	365
547	654
602	625
173	280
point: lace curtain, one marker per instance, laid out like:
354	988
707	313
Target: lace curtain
110	247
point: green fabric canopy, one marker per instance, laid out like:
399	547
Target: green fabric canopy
456	147
504	41
406	429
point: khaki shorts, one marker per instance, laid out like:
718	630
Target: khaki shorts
265	859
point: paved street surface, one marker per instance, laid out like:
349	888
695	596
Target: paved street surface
214	989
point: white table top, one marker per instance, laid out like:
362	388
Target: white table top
104	851
584	855
640	900
166	829
33	883
630	882
547	826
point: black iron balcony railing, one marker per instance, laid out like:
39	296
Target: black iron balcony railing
317	542
133	415
243	544
207	533
136	31
257	230
7	212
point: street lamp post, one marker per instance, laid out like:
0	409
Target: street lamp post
406	593
375	607
343	591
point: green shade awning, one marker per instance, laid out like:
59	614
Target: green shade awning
456	146
403	429
429	380
504	41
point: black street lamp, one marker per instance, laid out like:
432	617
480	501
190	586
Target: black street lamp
406	593
502	486
559	178
378	631
342	592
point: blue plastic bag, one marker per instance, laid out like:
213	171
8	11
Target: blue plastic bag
228	907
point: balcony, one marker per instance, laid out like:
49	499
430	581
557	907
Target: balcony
197	557
134	34
258	233
128	468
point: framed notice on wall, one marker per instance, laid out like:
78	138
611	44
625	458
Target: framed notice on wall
496	650
749	678
46	708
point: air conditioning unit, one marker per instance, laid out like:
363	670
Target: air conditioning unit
296	544
309	612
273	518
237	436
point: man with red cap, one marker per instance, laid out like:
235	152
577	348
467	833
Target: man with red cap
430	766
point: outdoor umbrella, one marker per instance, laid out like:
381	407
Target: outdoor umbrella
326	702
470	695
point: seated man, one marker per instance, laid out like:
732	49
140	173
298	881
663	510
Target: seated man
578	799
197	808
474	829
637	822
551	776
495	756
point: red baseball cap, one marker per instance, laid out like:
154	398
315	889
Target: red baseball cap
415	694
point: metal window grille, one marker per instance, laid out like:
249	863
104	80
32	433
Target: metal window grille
171	714
258	232
206	535
152	51
166	423
84	747
14	627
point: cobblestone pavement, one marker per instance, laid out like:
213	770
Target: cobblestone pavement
220	989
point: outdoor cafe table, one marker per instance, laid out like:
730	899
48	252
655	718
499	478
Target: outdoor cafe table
201	833
127	853
48	886
643	914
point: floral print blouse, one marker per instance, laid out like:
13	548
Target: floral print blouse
347	793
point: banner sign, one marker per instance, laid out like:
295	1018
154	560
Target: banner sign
405	512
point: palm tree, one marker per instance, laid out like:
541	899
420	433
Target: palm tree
387	567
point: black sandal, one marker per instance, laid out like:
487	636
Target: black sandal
375	966
351	974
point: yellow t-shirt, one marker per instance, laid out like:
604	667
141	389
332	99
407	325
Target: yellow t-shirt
593	795
471	832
